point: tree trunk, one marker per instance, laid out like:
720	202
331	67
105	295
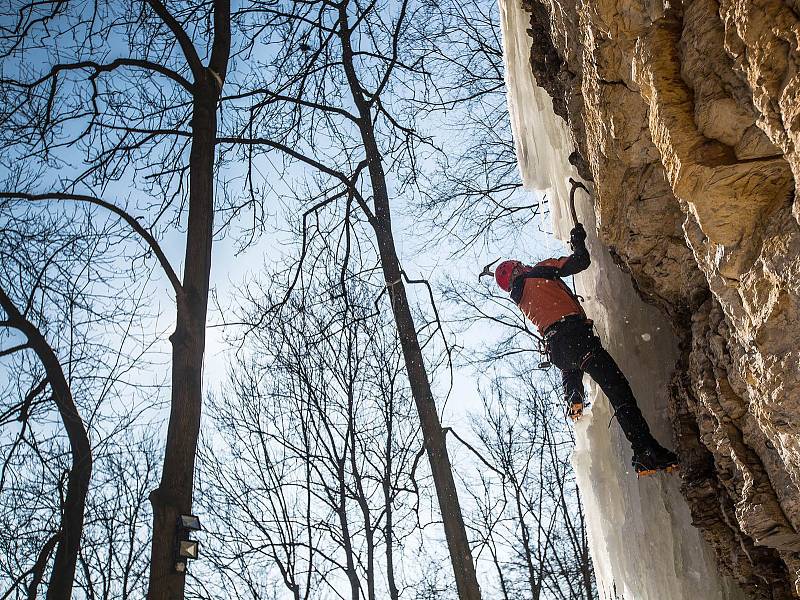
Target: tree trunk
586	571
173	497
533	581
71	530
352	576
432	433
388	501
37	573
80	473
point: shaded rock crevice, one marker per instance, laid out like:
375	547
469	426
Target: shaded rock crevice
759	570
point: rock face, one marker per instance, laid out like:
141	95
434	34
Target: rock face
686	117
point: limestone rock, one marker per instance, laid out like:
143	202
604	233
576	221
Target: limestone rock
686	116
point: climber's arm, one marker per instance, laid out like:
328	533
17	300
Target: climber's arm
579	259
575	262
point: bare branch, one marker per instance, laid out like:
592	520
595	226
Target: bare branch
12	350
98	68
189	51
134	223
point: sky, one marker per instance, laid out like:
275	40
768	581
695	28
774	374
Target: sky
420	257
230	267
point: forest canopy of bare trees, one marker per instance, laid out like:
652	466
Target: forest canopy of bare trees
232	239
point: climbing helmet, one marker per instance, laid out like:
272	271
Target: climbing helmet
502	274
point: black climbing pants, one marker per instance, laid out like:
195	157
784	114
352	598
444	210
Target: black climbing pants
575	349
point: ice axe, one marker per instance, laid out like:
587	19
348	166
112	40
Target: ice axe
486	271
575	185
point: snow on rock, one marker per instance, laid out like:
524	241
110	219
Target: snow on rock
643	543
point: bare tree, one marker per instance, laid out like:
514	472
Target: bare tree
339	99
67	540
527	504
104	98
475	194
113	559
135	88
47	285
309	479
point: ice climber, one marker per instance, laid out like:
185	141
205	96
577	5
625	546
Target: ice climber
573	347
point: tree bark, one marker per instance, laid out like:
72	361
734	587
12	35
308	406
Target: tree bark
534	581
341	510
173	497
388	501
433	436
432	433
69	537
37	573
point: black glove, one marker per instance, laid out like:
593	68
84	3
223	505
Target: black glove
577	236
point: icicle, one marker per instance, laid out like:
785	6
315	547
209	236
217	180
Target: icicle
541	141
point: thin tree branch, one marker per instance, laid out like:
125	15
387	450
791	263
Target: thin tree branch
474	451
104	68
13	349
134	223
189	51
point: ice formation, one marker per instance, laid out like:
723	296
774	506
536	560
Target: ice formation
643	544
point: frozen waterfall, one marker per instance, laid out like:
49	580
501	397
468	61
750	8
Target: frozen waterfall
643	544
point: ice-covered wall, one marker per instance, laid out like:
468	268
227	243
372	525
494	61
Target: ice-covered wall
643	543
541	140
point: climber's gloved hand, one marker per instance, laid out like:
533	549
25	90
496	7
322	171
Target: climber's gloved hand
577	236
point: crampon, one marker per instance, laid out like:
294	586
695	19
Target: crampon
652	460
575	411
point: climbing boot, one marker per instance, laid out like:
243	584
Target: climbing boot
652	459
575	410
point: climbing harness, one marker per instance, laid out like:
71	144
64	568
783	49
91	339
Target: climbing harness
544	350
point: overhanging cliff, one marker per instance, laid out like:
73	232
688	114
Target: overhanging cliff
685	116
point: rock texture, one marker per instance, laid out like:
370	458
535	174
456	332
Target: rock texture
686	116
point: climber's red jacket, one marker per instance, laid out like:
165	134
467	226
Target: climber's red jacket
541	294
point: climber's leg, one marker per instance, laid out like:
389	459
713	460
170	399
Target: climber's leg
649	456
574	394
576	349
599	364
